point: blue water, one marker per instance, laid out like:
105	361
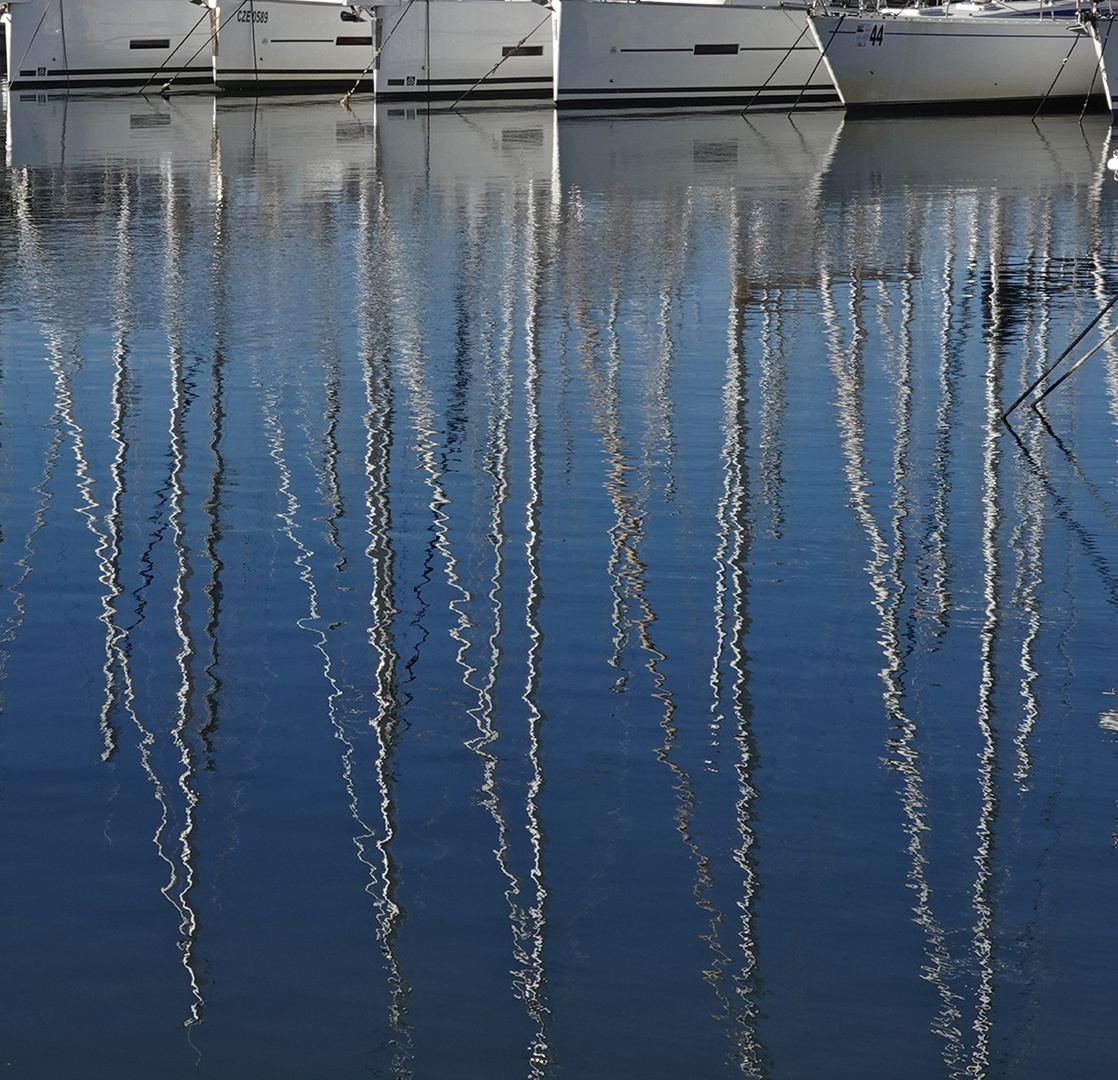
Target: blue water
492	595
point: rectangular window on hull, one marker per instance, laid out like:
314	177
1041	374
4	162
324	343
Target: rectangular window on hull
522	50
149	43
716	50
354	41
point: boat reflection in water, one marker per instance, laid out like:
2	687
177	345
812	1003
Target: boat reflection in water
1028	187
517	591
58	129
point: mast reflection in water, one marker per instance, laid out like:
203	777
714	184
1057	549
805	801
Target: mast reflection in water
491	594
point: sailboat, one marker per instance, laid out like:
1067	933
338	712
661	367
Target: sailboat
972	56
79	44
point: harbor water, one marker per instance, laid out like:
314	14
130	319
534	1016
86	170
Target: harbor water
506	595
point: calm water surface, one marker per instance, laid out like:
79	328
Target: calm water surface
493	596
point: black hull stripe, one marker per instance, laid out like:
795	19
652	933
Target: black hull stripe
247	81
670	100
539	79
310	74
413	93
981	107
304	86
742	50
74	82
125	72
244	83
294	75
686	91
898	30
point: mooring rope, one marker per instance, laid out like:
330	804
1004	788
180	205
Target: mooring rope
46	11
165	88
1076	35
822	57
1060	359
772	74
511	52
376	56
1075	367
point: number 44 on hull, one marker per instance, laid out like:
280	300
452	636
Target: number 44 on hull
968	56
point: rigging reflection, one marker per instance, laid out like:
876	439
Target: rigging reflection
631	472
730	672
57	130
525	887
375	341
632	463
915	567
846	338
183	377
409	422
24	565
529	926
106	522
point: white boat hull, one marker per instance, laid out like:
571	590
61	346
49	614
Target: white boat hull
429	50
614	54
442	49
1105	33
944	62
280	47
75	44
